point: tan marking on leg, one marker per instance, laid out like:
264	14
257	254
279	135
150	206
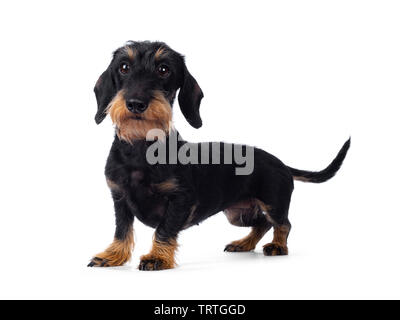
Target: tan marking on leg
249	242
280	234
118	253
278	246
161	256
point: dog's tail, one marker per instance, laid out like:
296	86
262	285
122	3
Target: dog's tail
327	173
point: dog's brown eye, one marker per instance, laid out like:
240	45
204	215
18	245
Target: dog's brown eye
124	68
163	71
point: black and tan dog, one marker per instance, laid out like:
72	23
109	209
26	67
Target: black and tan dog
138	90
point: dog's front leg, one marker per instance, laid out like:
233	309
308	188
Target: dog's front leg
120	250
162	254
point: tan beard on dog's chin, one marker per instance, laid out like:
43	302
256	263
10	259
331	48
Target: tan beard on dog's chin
130	127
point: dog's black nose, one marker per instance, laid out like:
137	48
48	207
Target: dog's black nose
136	106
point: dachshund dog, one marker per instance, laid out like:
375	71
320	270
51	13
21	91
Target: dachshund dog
138	90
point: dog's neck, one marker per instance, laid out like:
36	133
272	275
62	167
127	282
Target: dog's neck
145	131
159	136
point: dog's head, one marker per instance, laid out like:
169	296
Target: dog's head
139	87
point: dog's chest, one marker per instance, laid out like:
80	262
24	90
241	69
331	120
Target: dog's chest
148	204
144	187
140	189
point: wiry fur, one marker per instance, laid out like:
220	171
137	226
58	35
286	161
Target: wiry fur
173	196
118	253
161	256
129	127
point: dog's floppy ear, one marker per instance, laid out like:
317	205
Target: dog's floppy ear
104	91
189	99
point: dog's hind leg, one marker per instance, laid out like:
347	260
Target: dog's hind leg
247	214
278	246
120	250
273	196
278	216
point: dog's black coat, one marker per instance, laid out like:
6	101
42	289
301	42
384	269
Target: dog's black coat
199	190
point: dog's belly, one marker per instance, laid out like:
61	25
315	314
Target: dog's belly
245	212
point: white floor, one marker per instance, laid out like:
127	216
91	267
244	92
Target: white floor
327	259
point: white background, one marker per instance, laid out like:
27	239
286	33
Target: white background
295	78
